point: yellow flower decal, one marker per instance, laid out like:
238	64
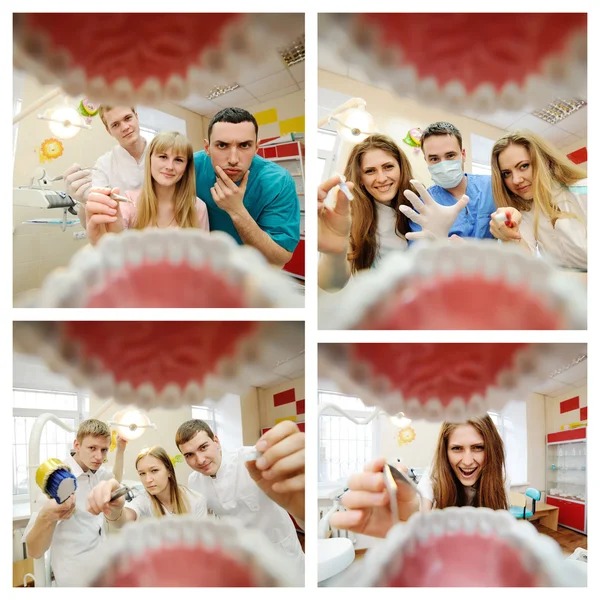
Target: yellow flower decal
50	149
178	458
113	441
406	436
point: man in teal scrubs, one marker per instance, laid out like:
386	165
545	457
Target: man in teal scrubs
252	199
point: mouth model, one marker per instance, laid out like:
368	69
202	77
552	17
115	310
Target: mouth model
158	363
147	58
177	268
474	284
185	551
387	47
449	382
429	550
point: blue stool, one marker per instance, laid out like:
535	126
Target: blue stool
521	512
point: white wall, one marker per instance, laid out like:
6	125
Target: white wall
536	442
418	453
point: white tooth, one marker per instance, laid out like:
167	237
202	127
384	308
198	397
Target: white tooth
124	393
122	91
132	247
176	88
455	96
484	99
512	97
476	406
146	394
170	395
75	82
455	411
103	384
97	87
428	91
153	246
175	244
111	252
414	409
434	410
151	92
193	393
200	81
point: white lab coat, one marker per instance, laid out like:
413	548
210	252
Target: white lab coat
142	504
565	244
233	493
75	539
118	169
388	240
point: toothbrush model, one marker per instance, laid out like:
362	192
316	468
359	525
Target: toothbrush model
56	480
441	382
480	75
429	549
427	287
185	551
146	58
157	363
177	268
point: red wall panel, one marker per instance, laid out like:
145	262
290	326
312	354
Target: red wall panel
569	405
285	397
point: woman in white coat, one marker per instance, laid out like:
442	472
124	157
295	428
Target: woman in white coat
542	196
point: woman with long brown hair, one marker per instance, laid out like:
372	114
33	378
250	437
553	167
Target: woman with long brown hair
468	470
545	197
378	172
162	495
167	198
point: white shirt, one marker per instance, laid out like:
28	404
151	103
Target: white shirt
75	539
426	488
565	244
386	231
118	169
142	504
233	493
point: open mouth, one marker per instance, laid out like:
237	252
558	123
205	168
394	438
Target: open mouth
176	268
384	188
502	551
159	363
441	382
468	473
234	44
187	552
427	286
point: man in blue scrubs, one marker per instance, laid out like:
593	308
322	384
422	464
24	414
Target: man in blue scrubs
252	199
444	154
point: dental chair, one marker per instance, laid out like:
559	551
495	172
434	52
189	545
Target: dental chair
521	512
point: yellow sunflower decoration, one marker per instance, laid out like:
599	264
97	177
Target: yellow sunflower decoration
406	436
178	458
50	149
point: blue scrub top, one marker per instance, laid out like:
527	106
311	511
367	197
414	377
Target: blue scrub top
270	199
473	220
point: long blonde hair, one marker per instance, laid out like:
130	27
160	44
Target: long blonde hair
363	235
549	167
185	189
490	490
178	501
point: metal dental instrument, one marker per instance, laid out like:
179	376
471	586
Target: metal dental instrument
392	488
124	490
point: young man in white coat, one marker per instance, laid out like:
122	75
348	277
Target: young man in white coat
262	494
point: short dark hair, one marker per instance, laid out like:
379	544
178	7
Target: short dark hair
441	128
189	429
232	115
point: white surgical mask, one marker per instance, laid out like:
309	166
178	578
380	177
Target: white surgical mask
447	173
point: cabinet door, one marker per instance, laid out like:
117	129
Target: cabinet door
570	514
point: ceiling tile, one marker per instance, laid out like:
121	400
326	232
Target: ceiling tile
566	142
530	122
272	83
270	64
279	93
576	122
240	98
200	105
501	118
556	135
297	71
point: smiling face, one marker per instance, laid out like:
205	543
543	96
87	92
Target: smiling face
516	171
153	474
466	453
167	167
91	452
380	175
202	454
232	147
123	124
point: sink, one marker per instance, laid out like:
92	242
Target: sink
335	555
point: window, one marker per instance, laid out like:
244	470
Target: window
55	442
147	133
344	447
480	169
327	144
224	418
511	423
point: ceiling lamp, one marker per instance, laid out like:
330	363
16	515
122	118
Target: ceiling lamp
130	423
559	110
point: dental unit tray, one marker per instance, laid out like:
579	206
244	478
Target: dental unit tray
38	197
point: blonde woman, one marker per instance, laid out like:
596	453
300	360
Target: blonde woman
162	496
167	198
544	194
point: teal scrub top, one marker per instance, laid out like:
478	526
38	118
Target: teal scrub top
270	199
